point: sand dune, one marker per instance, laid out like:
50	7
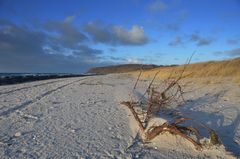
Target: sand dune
216	69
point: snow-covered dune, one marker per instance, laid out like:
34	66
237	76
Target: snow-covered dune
81	118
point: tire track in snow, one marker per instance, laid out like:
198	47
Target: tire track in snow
39	97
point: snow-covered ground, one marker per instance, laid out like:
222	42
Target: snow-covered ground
82	118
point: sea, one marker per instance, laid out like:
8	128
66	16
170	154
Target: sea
3	75
15	78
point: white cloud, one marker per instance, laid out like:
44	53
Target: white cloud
135	35
133	61
116	35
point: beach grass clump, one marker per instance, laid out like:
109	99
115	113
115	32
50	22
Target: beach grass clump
237	80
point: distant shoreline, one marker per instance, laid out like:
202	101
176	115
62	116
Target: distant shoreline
17	79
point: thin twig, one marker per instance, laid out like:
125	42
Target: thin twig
139	75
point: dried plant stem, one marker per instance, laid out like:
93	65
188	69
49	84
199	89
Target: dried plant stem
139	75
149	86
130	106
172	129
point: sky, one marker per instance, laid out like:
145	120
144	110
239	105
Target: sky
71	36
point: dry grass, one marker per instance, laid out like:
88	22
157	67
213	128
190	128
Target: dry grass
237	80
217	69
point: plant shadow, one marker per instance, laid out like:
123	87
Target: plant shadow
227	126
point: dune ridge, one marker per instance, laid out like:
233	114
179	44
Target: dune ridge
217	69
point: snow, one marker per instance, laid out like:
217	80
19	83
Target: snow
81	118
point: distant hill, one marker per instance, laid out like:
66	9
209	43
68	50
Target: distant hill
121	68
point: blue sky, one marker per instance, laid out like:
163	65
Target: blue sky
75	35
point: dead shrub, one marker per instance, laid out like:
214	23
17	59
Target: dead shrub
160	98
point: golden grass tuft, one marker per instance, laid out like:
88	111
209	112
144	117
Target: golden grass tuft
237	80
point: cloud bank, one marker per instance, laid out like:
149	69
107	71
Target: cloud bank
234	52
29	50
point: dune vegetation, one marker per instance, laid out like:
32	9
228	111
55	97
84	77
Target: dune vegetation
215	69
